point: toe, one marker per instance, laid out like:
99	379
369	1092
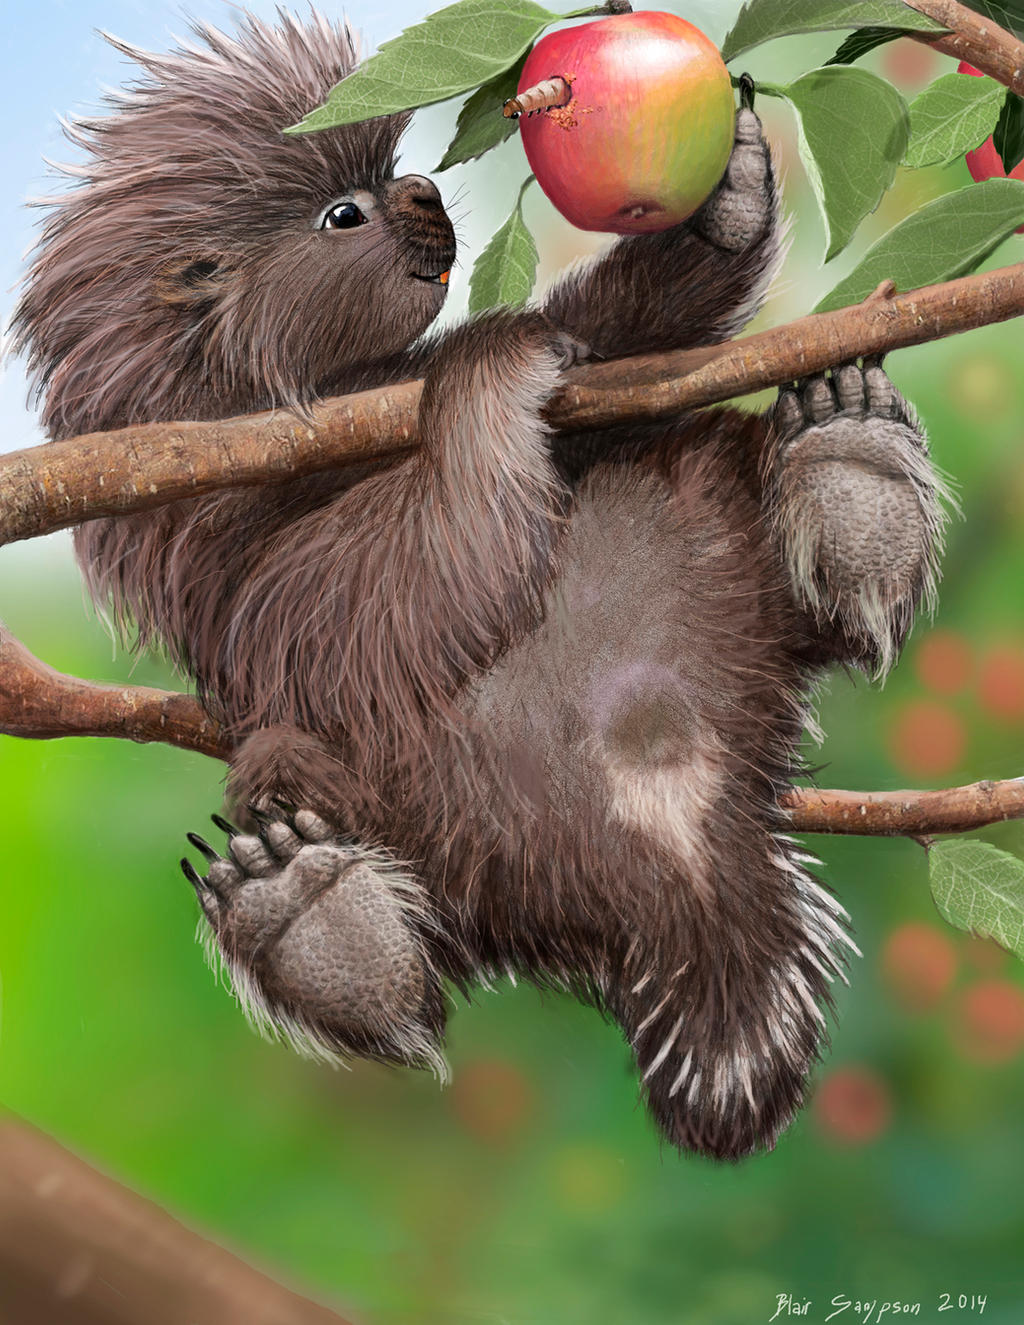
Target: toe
819	402
882	396
789	417
849	388
224	876
280	840
311	827
748	127
251	855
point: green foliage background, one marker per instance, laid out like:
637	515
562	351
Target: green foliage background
534	1189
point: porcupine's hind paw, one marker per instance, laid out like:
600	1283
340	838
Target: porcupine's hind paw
325	941
857	509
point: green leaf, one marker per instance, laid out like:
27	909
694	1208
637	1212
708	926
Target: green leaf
1009	132
940	241
505	271
450	52
1007	13
980	889
860	42
481	124
853	133
952	116
761	20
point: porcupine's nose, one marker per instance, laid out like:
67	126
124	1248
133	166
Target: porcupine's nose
410	193
414	209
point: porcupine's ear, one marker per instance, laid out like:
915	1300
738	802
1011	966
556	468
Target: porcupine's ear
196	282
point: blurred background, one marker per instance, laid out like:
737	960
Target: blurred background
534	1188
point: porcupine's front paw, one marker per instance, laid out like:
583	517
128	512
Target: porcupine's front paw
742	207
857	509
324	941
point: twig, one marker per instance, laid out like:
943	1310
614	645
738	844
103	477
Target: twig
906	813
976	39
80	1249
64	483
40	703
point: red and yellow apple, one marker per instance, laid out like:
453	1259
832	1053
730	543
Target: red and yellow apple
985	162
648	131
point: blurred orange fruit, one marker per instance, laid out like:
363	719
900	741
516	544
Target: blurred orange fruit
989	1024
1001	681
919	963
926	739
852	1106
908	61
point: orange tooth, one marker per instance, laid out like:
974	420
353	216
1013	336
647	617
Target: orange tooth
443	278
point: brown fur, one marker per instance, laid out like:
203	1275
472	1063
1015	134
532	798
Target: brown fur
567	693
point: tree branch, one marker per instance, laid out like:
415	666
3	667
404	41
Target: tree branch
40	703
80	1249
906	813
976	39
134	469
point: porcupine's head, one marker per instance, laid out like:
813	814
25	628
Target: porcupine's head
206	263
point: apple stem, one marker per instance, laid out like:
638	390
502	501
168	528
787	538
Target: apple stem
554	92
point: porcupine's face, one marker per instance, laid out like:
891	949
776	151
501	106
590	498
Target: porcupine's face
209	264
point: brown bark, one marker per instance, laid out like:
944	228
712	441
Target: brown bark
40	703
975	39
906	813
63	483
77	1248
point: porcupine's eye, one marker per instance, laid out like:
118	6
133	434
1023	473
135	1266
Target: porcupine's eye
342	216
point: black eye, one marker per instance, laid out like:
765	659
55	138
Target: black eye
343	216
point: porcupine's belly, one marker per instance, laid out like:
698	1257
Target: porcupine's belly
659	675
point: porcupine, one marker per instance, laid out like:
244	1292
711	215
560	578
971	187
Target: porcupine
533	698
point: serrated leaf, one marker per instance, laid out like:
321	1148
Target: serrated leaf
450	52
762	20
505	271
951	117
853	133
481	125
860	42
940	241
1008	137
1007	13
981	889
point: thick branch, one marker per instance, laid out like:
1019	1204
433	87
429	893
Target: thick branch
38	702
976	39
63	483
79	1249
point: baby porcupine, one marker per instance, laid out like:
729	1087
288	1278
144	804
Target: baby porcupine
533	698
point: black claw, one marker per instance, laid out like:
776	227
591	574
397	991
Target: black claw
287	811
261	816
195	879
225	826
747	88
203	846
